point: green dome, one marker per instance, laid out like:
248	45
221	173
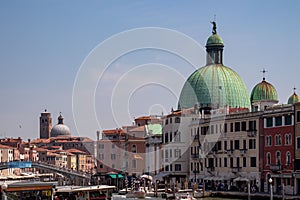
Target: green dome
214	39
294	99
214	85
264	91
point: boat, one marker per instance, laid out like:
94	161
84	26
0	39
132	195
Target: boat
97	192
140	193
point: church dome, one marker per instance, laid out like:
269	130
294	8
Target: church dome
294	98
214	85
60	129
264	91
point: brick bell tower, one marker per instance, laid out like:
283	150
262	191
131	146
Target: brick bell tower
45	124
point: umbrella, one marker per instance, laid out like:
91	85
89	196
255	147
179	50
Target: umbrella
147	177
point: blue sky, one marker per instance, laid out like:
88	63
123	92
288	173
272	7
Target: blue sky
44	43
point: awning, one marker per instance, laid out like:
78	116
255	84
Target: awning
147	177
115	175
240	179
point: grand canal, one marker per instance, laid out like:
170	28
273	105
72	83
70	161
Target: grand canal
120	197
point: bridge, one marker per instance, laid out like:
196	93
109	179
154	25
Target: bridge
72	174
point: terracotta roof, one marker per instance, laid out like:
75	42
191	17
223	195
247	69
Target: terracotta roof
76	151
143	118
114	131
39	140
138	129
5	147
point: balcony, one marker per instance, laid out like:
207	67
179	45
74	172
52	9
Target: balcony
251	133
230	152
210	169
275	168
243	152
236	169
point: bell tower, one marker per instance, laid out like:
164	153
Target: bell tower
45	124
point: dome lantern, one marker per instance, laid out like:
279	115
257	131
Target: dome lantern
214	85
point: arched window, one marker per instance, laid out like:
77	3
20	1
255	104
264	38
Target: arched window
288	158
133	148
268	158
278	159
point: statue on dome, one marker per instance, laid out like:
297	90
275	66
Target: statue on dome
214	30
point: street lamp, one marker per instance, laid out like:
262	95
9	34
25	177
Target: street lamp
271	189
4	188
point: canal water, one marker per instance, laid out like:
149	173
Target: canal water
121	197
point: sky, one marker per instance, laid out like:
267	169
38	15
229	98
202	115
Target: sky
44	45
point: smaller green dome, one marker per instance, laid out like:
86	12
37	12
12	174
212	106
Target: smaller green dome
294	99
214	40
264	91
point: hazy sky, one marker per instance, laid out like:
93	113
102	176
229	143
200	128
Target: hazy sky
44	43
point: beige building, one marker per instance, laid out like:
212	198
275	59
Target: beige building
225	147
6	155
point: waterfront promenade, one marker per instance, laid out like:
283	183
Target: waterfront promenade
256	196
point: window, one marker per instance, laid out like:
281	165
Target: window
191	167
167	121
231	127
225	162
278	121
236	144
171	120
231	144
171	136
252	144
113	156
244	126
298	142
177	153
177	167
244	162
231	162
288	120
268	158
269	122
268	140
252	125
252	161
244	144
288	139
177	120
112	146
298	116
101	156
277	140
101	146
278	159
225	145
133	148
170	153
177	136
166	153
288	158
166	137
220	162
113	166
134	164
225	128
237	126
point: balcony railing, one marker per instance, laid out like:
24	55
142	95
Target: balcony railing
252	133
236	169
275	168
210	169
230	152
243	151
195	156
